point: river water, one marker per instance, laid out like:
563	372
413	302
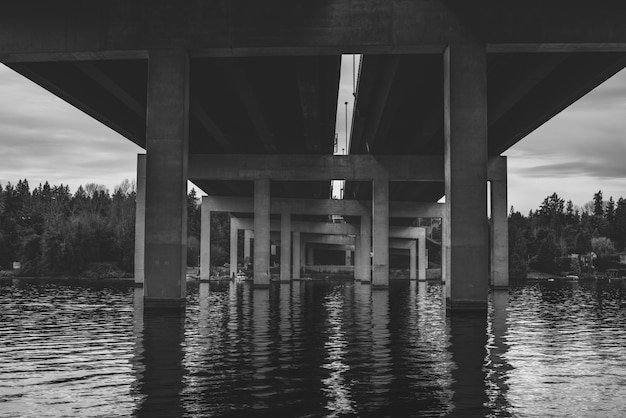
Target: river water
312	349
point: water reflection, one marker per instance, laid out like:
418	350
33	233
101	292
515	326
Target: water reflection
312	349
163	377
336	388
468	338
497	367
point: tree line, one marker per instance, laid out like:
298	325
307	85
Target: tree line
560	237
51	231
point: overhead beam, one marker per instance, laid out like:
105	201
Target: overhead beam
209	125
240	83
39	30
98	76
61	91
343	207
328	228
307	69
373	133
315	167
506	98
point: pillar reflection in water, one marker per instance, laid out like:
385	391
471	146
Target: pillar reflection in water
336	388
162	380
468	340
382	374
285	346
497	348
261	347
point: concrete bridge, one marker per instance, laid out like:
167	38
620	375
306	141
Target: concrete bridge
240	97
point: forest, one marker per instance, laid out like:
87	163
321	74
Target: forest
53	232
559	237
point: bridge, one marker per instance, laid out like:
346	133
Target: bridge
240	97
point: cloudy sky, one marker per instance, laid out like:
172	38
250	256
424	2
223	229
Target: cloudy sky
577	153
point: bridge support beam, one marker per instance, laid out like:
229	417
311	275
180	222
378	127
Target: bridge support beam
465	161
422	260
233	249
247	237
413	261
285	247
363	267
296	254
499	228
205	241
166	179
140	219
380	231
262	233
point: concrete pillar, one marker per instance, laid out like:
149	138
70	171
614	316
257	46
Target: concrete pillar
296	254
465	161
380	230
422	259
365	244
302	254
166	178
140	218
358	264
247	237
205	241
413	261
309	255
499	230
262	233
285	247
233	248
348	258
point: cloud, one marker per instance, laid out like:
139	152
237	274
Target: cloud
43	138
576	153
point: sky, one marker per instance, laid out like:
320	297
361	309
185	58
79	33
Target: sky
575	154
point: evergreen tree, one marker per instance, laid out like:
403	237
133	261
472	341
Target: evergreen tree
598	204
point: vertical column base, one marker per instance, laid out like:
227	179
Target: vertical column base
465	305
170	304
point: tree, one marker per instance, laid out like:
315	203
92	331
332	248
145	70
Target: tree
518	264
610	210
598	204
603	247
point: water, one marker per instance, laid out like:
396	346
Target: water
312	349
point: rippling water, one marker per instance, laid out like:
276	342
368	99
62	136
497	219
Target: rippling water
312	349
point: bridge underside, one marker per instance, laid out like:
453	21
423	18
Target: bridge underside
447	79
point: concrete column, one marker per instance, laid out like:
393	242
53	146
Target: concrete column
296	254
358	264
302	254
413	261
310	257
380	230
365	243
233	248
140	218
262	233
285	247
205	241
166	178
422	259
247	236
465	161
499	230
348	258
445	249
